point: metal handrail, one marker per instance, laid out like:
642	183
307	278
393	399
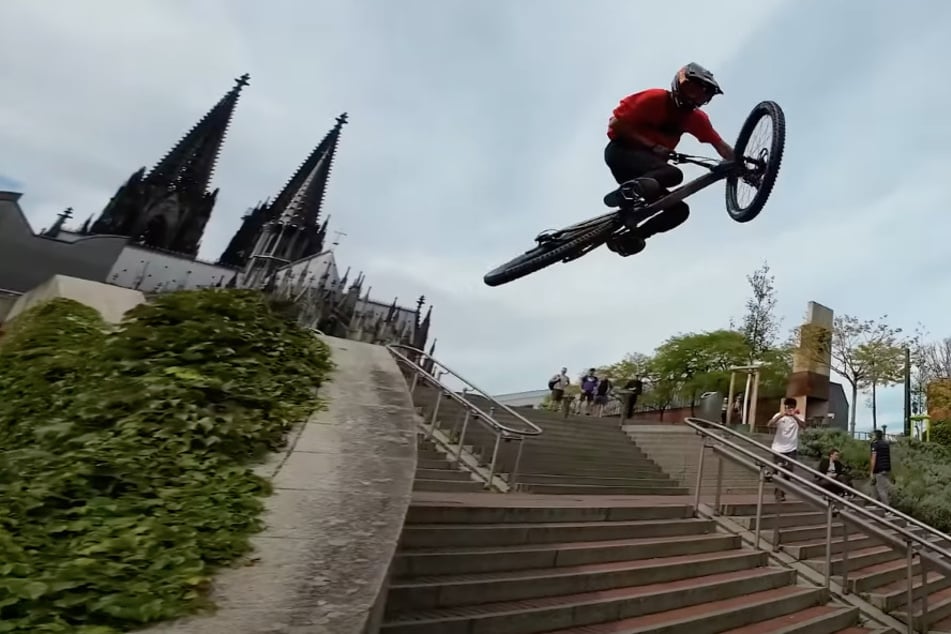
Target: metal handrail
501	431
533	429
816	473
808	490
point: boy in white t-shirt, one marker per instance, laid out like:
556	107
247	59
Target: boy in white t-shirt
786	440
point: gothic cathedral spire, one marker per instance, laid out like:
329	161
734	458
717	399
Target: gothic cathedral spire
168	207
297	209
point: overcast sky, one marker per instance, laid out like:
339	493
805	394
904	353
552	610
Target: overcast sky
473	125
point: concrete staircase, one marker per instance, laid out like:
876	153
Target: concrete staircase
576	456
876	572
533	564
676	449
435	472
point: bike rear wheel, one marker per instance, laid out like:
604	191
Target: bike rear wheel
765	152
544	255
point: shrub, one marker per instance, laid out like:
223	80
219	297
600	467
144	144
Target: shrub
941	432
922	472
816	443
122	498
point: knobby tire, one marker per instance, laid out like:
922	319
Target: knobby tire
541	256
772	111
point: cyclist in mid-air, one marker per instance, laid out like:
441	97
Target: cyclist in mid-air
644	130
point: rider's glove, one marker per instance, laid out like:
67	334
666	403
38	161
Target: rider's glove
661	150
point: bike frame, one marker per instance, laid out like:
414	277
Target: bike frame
717	172
633	216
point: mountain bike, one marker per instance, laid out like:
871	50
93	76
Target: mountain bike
756	166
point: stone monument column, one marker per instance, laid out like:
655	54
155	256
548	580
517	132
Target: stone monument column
809	381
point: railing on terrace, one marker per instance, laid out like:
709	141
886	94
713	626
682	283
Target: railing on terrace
432	372
929	548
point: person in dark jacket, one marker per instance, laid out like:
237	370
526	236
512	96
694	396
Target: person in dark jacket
832	466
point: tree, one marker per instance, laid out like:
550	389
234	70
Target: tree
694	363
936	359
633	364
885	365
861	351
760	325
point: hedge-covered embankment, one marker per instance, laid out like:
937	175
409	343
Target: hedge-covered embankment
922	472
125	454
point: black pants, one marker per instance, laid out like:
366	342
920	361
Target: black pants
628	162
630	402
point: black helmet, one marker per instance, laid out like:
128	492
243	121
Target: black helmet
694	73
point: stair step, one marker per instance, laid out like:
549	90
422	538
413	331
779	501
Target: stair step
856	559
548	514
813	549
448	486
544	615
819	619
714	616
661	488
784	520
939	609
437	592
436	535
443	474
893	595
502	558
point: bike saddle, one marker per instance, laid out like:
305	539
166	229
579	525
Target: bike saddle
632	192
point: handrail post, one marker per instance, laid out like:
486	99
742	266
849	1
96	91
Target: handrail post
845	556
830	513
699	483
495	455
412	386
433	418
923	621
462	434
910	563
759	508
719	491
513	479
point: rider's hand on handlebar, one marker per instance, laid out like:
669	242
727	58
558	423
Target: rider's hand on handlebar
661	150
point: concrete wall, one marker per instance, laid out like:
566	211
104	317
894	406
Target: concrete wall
112	302
28	260
149	271
341	496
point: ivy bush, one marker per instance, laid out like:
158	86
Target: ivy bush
816	443
125	453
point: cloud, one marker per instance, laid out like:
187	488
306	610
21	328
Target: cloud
476	125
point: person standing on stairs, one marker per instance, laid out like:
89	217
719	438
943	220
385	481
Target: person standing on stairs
601	395
634	387
786	440
589	382
881	467
558	384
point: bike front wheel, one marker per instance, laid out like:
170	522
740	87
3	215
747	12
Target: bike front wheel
760	146
569	247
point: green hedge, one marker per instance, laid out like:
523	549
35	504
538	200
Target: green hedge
125	453
922	472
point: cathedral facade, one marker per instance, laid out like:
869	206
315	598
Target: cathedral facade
149	233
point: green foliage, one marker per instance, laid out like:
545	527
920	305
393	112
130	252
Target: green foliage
941	433
760	325
921	471
817	443
634	364
698	362
124	455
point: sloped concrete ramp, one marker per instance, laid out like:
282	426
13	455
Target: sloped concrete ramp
342	490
